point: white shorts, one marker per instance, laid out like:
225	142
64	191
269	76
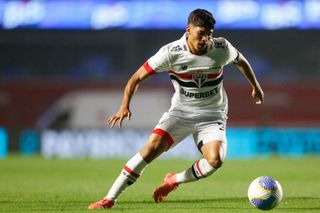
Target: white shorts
203	130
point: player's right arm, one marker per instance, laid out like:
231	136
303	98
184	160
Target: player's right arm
124	111
157	63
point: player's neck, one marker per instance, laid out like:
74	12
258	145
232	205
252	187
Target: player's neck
195	52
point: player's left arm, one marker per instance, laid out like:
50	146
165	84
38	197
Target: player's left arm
244	66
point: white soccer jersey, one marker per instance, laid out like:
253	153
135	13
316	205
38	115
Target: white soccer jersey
197	79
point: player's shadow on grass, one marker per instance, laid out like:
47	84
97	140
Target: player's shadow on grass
223	203
190	203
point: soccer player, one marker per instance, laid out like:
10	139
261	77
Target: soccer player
199	105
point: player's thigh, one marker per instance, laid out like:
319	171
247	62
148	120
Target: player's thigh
168	132
211	140
172	129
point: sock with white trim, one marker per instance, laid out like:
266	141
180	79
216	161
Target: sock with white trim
129	174
200	169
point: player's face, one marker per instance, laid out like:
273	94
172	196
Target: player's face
198	39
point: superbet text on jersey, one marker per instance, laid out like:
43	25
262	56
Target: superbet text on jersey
197	79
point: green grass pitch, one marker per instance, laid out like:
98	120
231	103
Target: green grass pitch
33	184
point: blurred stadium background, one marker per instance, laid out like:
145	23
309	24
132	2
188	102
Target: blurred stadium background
64	65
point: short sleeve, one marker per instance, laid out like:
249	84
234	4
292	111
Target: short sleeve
232	53
159	62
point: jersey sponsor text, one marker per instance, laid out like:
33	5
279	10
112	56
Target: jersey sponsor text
199	95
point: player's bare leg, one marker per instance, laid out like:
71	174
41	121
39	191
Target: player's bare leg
155	146
214	153
202	168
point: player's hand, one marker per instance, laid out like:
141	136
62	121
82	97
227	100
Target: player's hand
258	95
123	113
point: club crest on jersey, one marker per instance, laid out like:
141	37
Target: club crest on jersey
199	78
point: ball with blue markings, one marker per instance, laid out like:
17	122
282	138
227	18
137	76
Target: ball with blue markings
265	193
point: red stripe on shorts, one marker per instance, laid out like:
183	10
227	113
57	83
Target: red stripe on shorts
165	134
148	68
131	172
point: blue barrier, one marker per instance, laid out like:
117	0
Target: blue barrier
243	143
3	143
265	142
29	142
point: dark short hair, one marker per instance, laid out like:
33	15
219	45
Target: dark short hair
202	18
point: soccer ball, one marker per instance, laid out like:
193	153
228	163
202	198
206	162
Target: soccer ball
265	193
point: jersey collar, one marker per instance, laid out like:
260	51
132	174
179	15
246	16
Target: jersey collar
184	42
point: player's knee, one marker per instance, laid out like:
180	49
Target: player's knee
215	162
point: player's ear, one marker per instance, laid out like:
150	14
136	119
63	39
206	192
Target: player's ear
188	29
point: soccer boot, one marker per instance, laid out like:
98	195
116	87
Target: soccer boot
169	184
105	203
